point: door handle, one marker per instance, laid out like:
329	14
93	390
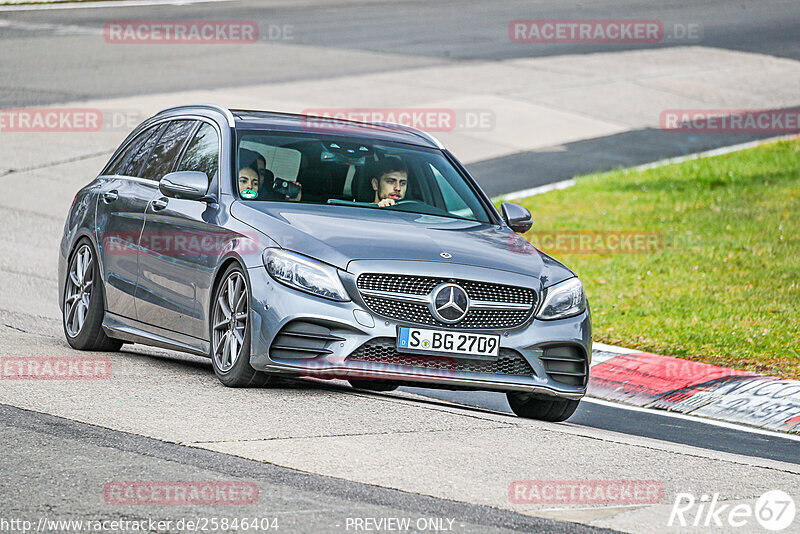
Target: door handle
110	196
160	204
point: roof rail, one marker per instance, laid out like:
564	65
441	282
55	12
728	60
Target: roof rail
419	133
220	109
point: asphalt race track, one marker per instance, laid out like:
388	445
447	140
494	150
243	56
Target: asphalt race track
572	99
321	453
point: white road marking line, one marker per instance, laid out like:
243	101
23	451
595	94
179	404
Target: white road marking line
598	358
612	348
533	191
694	418
609	351
564	184
107	4
58	29
593	508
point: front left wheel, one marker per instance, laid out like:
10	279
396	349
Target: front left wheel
230	332
542	408
83	300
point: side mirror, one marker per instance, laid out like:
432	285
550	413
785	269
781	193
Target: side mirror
517	217
187	185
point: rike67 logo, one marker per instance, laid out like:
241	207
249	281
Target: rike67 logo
774	510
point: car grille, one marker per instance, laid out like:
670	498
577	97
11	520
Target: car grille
382	350
398	307
566	364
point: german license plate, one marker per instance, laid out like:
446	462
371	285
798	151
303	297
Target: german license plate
426	340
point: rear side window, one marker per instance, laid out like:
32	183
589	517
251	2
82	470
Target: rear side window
162	158
123	159
203	153
133	166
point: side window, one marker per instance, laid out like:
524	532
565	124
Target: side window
203	152
164	154
116	166
133	165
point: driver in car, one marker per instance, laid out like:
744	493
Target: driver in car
390	182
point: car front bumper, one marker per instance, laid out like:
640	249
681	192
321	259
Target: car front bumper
274	306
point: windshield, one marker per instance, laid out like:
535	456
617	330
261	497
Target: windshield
352	172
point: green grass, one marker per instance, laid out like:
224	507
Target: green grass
725	286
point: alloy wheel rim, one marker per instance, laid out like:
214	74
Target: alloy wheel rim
78	293
230	322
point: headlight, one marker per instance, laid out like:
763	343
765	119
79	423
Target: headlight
563	300
304	274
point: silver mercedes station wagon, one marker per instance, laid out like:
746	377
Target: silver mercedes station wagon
279	244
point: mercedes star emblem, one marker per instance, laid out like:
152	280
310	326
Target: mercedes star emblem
450	303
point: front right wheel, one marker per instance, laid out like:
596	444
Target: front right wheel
230	332
542	408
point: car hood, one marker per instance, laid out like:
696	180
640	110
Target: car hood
338	235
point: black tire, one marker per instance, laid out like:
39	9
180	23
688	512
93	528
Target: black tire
542	408
85	297
234	372
373	385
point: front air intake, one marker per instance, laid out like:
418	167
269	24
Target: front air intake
566	364
302	340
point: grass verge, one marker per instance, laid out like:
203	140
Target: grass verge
715	273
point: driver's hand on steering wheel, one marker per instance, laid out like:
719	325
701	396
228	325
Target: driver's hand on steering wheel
386	202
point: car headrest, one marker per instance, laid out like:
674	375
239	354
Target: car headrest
247	158
362	184
265	191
